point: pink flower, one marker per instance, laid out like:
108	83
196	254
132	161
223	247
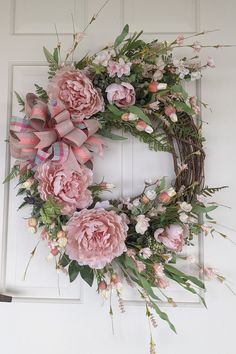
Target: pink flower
145	252
77	93
180	39
131	252
172	237
79	36
95	237
210	62
103	57
158	269
122	95
68	188
162	283
209	273
119	68
140	266
197	46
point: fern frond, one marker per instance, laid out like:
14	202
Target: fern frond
209	191
41	93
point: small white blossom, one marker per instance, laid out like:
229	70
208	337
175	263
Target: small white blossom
104	204
132	117
148	129
183	217
171	192
195	75
136	202
151	194
142	224
185	207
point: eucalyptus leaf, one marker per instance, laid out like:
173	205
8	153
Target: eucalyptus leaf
108	134
139	112
112	108
122	36
200	209
183	107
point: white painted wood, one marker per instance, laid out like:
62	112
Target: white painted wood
76	321
181	15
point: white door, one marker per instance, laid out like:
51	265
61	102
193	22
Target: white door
40	320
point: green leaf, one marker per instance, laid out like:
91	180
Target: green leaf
20	101
183	107
138	111
184	276
200	209
209	191
14	173
87	274
112	108
179	89
108	134
73	270
56	55
64	260
163	316
41	93
122	36
22	205
48	55
53	64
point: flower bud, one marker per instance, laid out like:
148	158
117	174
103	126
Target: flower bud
102	285
164	197
61	233
141	125
152	87
145	199
54	251
125	117
62	242
115	278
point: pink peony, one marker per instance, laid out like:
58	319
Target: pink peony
122	95
172	237
77	93
95	237
68	188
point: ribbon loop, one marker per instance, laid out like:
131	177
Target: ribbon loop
49	132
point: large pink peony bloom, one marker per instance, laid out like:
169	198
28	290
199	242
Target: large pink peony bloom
122	95
77	93
172	237
95	237
68	188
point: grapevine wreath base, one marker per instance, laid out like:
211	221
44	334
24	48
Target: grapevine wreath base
137	87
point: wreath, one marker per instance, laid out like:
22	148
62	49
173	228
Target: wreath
137	87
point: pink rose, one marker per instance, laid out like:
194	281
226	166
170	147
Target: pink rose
77	93
95	237
68	188
122	95
172	237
